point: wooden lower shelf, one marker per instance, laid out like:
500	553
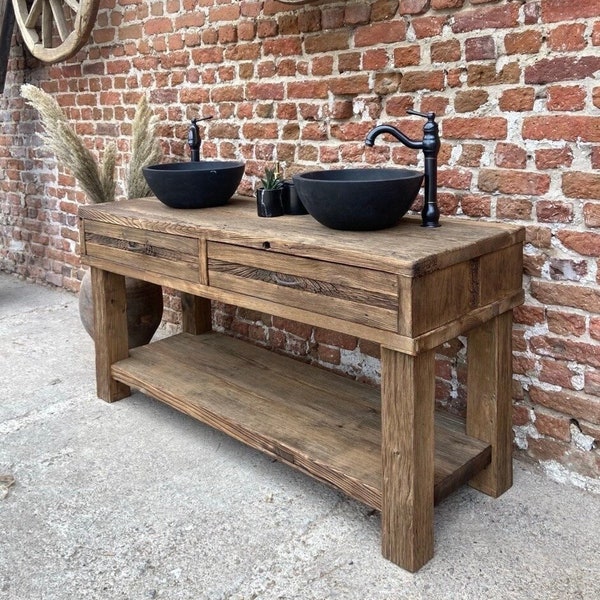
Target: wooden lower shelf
321	423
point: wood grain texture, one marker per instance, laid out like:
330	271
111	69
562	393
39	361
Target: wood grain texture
196	315
407	416
323	424
407	249
110	304
148	251
489	399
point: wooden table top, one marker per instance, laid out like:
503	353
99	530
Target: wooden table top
407	249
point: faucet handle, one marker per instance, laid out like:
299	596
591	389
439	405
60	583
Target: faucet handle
430	116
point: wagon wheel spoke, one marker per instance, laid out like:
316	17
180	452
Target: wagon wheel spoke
59	19
55	30
34	13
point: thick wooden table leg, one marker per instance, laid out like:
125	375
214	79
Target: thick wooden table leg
407	414
110	331
196	317
489	400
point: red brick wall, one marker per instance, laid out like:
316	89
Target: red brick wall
513	82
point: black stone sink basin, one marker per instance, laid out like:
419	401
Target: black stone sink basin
358	199
195	184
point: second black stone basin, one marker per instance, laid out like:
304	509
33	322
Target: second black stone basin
358	199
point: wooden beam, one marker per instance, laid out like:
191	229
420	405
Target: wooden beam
7	22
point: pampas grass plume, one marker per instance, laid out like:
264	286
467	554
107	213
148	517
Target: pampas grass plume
145	149
97	182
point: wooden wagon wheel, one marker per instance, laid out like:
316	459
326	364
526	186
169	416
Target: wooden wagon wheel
55	30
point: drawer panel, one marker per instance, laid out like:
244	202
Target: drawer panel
172	255
354	294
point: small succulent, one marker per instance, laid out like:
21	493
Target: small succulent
272	179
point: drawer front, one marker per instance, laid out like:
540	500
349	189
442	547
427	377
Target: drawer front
163	253
350	293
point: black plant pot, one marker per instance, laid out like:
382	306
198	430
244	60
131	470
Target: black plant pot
268	203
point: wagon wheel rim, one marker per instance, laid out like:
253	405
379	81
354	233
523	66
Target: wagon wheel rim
54	30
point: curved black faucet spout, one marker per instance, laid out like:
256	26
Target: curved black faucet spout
430	144
381	129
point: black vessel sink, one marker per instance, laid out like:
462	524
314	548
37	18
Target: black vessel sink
358	199
195	184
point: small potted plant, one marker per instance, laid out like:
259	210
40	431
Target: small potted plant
268	197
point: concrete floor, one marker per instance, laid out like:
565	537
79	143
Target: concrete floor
133	501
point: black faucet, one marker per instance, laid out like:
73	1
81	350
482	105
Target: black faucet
430	144
194	140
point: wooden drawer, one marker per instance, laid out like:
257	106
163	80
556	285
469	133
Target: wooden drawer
356	294
173	255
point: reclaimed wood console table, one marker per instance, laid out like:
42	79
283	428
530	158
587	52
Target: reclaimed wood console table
408	288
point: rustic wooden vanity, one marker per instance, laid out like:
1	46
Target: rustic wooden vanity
408	288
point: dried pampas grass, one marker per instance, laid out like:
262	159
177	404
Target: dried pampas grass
145	149
97	182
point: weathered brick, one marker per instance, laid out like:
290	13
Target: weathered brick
357	13
523	42
496	17
591	214
287	46
387	83
595	328
413	81
444	4
551	211
445	51
562	128
565	10
553	158
565	98
349	61
513	208
327	42
426	27
592	382
566	294
476	206
553	425
574	404
383	10
513	182
565	38
307	89
332	338
471	100
225	12
309	20
510	156
487	74
533	264
332	17
563	323
527	314
480	48
562	68
458	179
517	99
403	57
380	33
479	128
265	91
413	7
585	243
353	85
577	184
